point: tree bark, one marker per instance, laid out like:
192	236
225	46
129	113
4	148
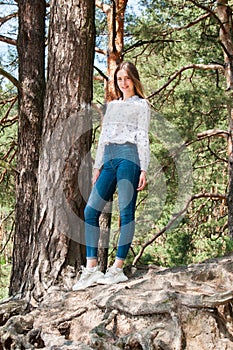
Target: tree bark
115	21
224	13
65	167
115	18
31	96
57	244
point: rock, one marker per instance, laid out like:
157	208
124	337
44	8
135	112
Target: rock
185	308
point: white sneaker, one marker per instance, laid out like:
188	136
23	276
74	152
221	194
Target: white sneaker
113	275
88	277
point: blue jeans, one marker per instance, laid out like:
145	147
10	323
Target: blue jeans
120	170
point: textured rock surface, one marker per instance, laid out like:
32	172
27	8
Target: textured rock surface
171	309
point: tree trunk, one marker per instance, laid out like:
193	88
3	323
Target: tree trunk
31	98
64	173
224	13
115	14
115	19
105	228
64	166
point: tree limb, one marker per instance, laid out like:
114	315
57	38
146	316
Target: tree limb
8	100
101	73
7	40
190	24
147	42
215	154
12	102
211	12
10	77
174	218
7	18
105	8
165	33
102	52
213	132
10	235
181	70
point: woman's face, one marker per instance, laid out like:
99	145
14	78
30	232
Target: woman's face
125	83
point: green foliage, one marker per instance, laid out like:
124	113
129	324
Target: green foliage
8	146
195	101
98	98
4	279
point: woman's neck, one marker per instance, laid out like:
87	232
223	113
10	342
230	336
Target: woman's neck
126	96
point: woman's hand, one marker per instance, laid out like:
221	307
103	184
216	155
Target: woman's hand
142	181
96	174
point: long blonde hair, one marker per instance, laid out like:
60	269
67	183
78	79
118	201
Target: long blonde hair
132	72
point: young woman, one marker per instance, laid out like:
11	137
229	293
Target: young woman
121	162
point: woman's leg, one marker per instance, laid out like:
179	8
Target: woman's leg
127	182
128	174
100	194
102	191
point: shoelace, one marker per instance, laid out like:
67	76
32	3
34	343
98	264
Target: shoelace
84	273
111	272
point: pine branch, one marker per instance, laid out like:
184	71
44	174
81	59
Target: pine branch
101	73
102	52
7	18
10	77
175	217
213	132
180	71
7	40
209	11
189	25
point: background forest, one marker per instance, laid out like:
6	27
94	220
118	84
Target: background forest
182	217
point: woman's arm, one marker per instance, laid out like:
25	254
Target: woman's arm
96	174
142	135
142	181
100	148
